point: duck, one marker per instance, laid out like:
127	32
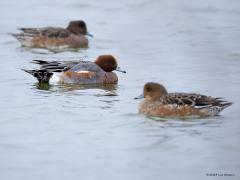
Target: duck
158	102
73	36
77	72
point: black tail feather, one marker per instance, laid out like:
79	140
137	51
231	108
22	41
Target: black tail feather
42	75
40	62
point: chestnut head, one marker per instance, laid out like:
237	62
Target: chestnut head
108	63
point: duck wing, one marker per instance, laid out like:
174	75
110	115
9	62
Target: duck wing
55	66
48	32
196	100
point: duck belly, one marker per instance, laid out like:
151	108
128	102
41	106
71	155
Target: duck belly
158	109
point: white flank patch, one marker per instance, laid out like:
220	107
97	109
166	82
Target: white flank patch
54	79
82	72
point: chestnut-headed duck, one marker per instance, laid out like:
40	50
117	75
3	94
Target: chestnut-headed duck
158	102
73	36
79	72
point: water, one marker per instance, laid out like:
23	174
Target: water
75	132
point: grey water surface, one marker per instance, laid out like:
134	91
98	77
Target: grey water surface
68	132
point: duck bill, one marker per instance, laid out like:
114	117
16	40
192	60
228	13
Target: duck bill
120	70
89	34
139	97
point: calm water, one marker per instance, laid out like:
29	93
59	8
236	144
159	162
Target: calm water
89	133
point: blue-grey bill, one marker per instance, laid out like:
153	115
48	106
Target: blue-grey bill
139	97
89	34
120	70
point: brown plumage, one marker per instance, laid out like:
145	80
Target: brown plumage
50	37
159	102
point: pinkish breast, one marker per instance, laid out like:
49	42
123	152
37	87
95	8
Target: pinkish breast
110	78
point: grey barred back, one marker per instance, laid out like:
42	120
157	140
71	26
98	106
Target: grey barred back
47	68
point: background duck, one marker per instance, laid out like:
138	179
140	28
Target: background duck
80	72
158	102
72	36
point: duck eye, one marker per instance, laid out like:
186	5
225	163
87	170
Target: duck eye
81	25
110	63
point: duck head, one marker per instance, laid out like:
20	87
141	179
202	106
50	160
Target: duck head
152	91
108	63
78	27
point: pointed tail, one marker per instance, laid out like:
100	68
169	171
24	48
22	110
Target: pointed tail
16	35
20	37
42	75
225	104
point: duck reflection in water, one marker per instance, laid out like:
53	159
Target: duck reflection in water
109	89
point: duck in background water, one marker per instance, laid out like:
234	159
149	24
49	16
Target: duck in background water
73	36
